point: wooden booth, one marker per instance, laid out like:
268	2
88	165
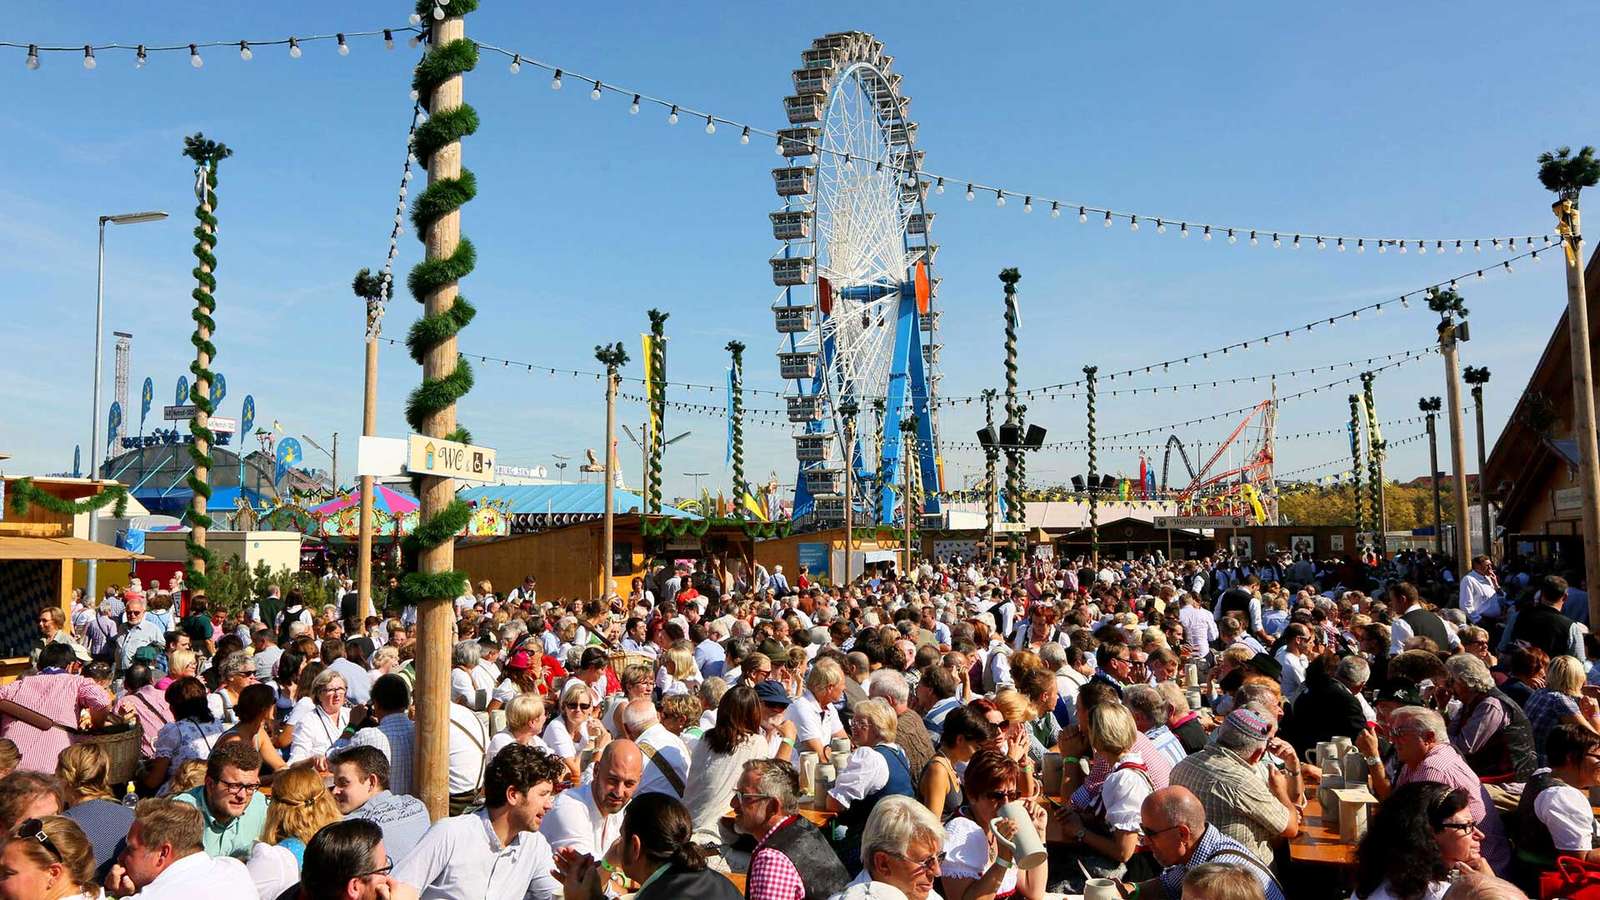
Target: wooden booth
821	554
37	552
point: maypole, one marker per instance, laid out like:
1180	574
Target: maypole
1094	476
990	499
446	377
736	426
1447	303
373	290
1010	277
613	358
206	154
1355	463
1375	454
656	364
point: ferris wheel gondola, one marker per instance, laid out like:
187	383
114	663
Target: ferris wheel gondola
856	317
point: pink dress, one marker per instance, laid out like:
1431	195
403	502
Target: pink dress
58	696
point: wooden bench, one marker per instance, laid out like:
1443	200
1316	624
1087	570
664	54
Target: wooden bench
1318	843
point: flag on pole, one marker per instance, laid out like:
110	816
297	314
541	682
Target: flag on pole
113	422
77	461
181	395
649	389
147	396
219	389
247	415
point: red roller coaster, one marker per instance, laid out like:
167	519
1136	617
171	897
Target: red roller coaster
1242	490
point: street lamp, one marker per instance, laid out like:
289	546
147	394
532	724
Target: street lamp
99	341
696	476
333	456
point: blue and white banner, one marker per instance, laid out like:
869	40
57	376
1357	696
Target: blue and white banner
181	395
288	456
219	389
77	461
113	423
728	456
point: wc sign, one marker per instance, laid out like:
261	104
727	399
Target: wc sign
448	459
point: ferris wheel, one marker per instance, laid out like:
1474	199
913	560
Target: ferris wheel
855	316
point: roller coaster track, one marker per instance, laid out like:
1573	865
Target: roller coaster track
1166	459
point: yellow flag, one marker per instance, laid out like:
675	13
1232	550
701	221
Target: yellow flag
649	383
754	507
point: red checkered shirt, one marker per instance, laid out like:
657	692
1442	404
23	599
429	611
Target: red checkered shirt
772	875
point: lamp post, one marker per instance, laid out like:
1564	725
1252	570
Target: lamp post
99	349
849	409
697	476
1448	305
333	456
1478	376
1430	407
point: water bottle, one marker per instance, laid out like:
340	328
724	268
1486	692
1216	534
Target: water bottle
130	798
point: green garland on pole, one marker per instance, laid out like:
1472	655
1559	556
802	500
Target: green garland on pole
736	348
206	154
1010	277
439	199
658	408
22	494
1374	459
1355	461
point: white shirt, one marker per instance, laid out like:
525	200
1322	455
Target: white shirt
811	721
464	691
273	869
461	857
504	739
1400	632
315	731
559	739
966	853
199	875
1479	597
865	772
1294	673
1123	793
469	741
670	749
576	821
1565	811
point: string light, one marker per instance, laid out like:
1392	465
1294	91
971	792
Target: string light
344	49
516	64
1027	204
294	48
245	52
999	198
969	191
388	39
33	57
595	95
194	57
140	58
633	110
555	82
711	127
744	136
672	117
88	56
938	187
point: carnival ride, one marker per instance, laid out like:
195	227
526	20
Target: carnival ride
1246	489
855	316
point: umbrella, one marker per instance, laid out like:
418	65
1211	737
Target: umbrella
390	502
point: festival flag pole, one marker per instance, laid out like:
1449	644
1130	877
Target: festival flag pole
612	358
369	288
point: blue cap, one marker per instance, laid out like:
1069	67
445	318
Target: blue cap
770	691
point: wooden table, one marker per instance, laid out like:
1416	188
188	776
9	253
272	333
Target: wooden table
818	817
1318	843
738	879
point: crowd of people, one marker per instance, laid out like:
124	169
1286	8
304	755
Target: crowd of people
1151	723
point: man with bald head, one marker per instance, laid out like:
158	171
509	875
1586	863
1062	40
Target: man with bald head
666	757
589	818
1173	822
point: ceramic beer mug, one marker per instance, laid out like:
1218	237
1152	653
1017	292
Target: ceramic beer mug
1101	889
1027	850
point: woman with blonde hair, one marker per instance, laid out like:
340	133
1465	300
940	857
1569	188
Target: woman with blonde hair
1560	702
676	673
47	859
524	721
1105	836
575	729
85	771
301	806
1019	712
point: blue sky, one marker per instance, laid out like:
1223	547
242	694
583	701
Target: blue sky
1417	121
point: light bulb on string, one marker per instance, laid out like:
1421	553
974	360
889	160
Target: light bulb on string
633	110
1161	227
1183	230
294	48
1206	234
414	40
1083	216
1535	256
777	146
140	58
1402	246
594	94
1296	244
438	13
1055	209
938	186
1383	247
194	57
245	53
344	49
33	57
1254	242
672	116
388	39
516	63
1027	204
999	198
555	81
1507	266
1321	244
1276	243
1108	219
969	193
416	18
711	127
1133	223
744	136
88	56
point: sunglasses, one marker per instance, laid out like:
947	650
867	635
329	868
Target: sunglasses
931	864
580	706
1151	834
33	828
1002	796
1463	827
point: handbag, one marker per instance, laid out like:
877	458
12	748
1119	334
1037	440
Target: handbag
1572	879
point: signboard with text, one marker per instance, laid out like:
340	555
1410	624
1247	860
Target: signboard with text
179	413
448	459
1204	521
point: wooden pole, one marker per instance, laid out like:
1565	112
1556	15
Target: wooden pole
607	585
202	420
1566	210
1458	450
436	615
369	428
1483	484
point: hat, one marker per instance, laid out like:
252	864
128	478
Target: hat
1249	723
520	660
1399	691
149	653
770	691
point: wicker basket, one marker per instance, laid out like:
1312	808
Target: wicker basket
121	747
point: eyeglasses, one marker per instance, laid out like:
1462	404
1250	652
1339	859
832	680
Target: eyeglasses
240	787
1151	834
1463	827
580	706
1002	796
383	871
749	798
33	828
930	865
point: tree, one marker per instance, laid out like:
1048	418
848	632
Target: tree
1566	174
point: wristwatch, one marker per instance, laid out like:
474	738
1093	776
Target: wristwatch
1004	863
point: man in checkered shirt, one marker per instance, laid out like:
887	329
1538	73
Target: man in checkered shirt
765	802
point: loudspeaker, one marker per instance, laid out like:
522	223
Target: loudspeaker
1108	483
1035	438
987	437
1077	483
1010	435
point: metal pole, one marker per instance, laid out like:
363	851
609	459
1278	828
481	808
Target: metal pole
1483	484
910	435
1431	407
1094	476
94	413
1566	210
849	491
991	495
1458	451
335	455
